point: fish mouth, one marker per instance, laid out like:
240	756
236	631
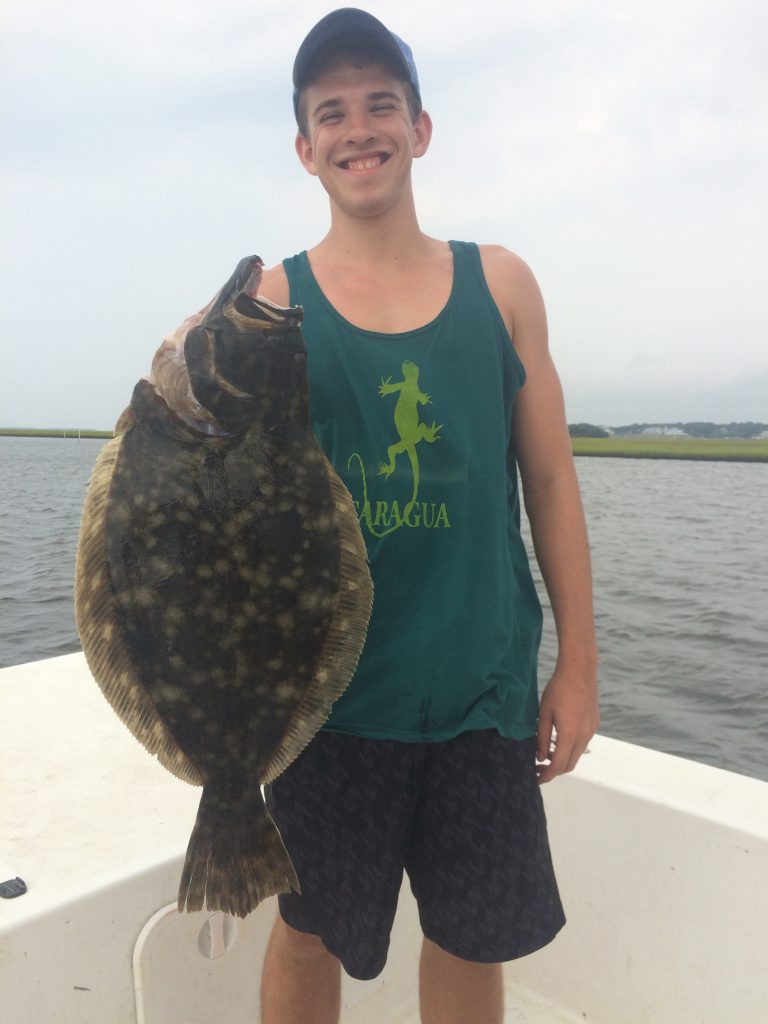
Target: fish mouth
265	314
240	303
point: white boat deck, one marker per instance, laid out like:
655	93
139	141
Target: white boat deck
662	864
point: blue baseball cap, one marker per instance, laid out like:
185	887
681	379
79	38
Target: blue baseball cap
350	25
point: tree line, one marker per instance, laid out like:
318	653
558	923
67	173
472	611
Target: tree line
696	429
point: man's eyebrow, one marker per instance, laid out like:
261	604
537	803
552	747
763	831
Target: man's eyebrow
372	97
384	95
326	105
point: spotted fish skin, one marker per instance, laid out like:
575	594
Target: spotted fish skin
222	590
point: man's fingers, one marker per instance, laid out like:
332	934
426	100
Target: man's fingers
544	737
561	757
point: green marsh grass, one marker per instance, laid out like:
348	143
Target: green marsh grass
50	432
718	450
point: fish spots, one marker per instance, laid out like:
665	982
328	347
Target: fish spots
160	566
316	600
96	583
173	614
286	621
143	597
320	524
223	571
172	694
285	692
257	576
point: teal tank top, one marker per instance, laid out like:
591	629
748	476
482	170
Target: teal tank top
418	426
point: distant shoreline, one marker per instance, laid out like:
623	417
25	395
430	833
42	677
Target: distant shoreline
686	448
48	432
730	449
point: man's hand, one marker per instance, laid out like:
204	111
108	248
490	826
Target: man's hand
569	710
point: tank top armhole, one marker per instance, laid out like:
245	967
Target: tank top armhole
294	268
471	252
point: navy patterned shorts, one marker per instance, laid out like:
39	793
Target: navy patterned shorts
463	817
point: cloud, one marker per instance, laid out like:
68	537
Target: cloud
620	148
642	360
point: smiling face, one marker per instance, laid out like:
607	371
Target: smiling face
360	136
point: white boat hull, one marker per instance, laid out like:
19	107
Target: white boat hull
662	865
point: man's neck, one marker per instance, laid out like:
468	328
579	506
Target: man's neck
378	242
383	277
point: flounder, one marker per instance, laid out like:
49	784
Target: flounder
222	589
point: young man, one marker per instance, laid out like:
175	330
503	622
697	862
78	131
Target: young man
431	381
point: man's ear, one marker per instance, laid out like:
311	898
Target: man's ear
305	153
423	129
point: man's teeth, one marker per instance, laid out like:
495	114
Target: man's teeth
363	165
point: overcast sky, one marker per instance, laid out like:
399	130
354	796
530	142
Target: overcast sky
619	146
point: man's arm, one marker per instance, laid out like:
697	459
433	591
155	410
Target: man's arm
553	504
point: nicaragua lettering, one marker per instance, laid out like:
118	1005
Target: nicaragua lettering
386	515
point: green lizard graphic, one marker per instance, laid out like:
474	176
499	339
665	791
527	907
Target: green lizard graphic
409	428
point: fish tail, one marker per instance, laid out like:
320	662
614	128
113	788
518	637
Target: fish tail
234	861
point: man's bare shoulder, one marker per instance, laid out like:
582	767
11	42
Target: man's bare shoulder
512	284
274	285
505	269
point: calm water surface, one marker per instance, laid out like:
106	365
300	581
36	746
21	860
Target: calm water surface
680	565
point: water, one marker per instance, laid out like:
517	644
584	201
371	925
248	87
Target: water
43	485
680	566
681	581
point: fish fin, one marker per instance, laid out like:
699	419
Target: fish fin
234	860
125	422
344	642
100	633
